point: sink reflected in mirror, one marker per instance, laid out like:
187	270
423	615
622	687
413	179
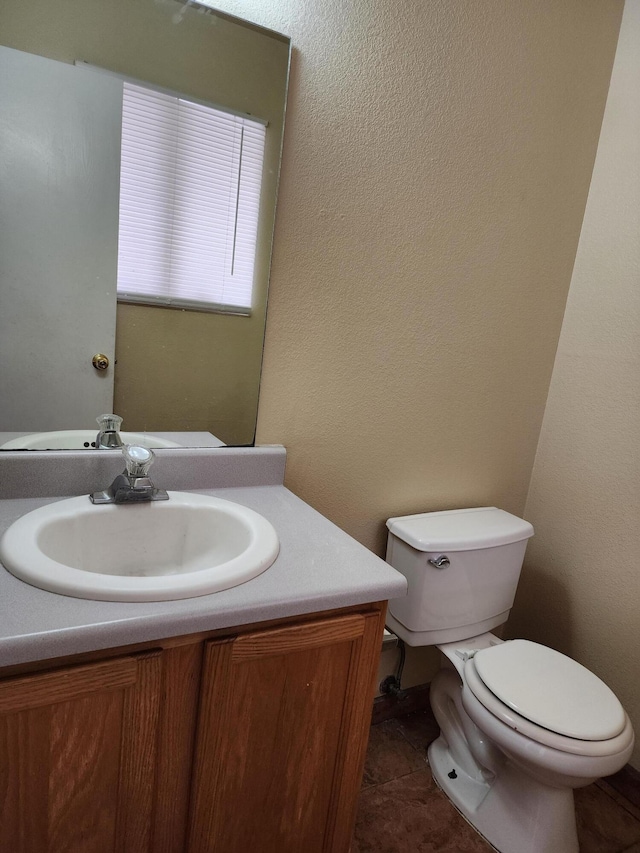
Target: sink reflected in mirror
188	546
80	439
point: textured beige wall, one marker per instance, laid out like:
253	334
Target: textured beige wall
580	590
436	167
177	370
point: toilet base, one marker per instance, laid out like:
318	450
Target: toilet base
514	812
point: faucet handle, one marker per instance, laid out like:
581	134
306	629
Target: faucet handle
109	423
109	432
137	460
133	485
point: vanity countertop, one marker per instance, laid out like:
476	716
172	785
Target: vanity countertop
319	567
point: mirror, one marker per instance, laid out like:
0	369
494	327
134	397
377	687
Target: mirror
173	370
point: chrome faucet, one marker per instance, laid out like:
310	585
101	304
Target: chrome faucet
133	485
109	432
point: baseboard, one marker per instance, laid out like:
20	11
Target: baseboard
626	781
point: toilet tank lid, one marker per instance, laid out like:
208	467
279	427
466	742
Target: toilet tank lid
460	529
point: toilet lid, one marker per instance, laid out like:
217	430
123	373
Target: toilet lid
550	689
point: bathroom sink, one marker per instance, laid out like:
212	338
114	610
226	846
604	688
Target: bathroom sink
187	546
78	439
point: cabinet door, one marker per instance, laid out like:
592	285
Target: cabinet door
282	732
78	757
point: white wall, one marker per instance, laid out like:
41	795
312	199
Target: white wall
580	589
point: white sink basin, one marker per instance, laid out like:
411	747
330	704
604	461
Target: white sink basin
187	546
78	439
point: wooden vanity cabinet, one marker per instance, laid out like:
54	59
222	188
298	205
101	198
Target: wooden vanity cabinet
252	742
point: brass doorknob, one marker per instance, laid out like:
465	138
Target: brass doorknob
100	361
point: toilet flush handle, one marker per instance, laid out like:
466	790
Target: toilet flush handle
441	562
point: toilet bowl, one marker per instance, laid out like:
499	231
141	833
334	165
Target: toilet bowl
521	724
512	778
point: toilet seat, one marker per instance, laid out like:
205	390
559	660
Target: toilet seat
479	692
551	690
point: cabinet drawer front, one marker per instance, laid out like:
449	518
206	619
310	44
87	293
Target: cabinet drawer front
297	638
65	685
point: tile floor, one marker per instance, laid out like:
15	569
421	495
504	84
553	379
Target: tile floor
401	809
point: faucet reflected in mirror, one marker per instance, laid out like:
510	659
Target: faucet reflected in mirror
170	369
108	432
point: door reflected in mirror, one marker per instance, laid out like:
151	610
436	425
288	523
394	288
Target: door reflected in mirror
171	369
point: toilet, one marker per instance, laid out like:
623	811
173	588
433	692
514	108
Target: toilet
521	725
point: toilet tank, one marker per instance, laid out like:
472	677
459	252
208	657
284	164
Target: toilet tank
473	591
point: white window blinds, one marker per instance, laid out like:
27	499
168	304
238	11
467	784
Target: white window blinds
189	197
